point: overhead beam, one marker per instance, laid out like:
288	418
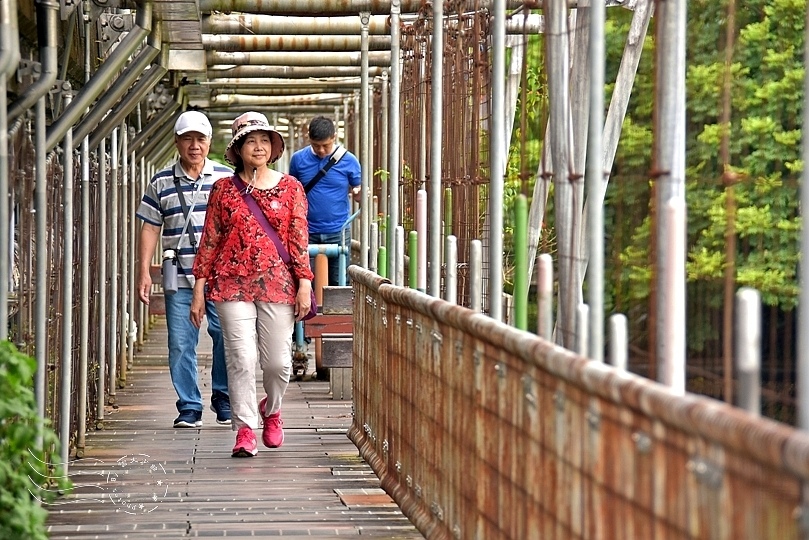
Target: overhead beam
290	72
220	23
295	59
291	42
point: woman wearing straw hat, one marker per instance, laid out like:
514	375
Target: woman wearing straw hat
240	266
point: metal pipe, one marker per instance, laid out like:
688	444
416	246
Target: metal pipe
66	382
121	85
803	304
545	297
435	189
421	228
521	262
669	162
399	245
273	25
384	165
47	32
582	317
114	255
302	89
558	58
133	206
476	276
41	265
296	59
129	102
594	177
394	129
336	7
290	72
365	191
498	162
124	251
101	292
104	76
619	341
9	59
451	279
373	247
748	349
274	83
275	101
290	43
163	135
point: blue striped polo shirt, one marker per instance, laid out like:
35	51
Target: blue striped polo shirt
161	206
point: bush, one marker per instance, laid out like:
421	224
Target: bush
25	474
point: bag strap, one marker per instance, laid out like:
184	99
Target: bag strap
336	156
262	219
187	213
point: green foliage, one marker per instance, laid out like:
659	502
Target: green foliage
24	470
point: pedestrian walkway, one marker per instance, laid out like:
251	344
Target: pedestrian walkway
141	478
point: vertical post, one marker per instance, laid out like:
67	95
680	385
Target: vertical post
365	159
619	341
124	221
114	255
669	162
672	369
421	228
84	331
451	279
803	304
133	202
558	61
498	161
66	388
436	154
384	164
373	247
521	262
394	160
101	290
545	297
399	245
582	317
595	181
41	266
414	260
476	276
382	261
748	349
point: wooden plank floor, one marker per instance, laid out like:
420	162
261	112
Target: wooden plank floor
141	478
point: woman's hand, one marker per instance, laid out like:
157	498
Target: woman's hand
198	302
303	300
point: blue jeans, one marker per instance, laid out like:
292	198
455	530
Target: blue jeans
334	262
183	339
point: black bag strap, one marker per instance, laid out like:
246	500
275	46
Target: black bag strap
335	156
191	237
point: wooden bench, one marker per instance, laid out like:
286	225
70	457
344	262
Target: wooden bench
334	325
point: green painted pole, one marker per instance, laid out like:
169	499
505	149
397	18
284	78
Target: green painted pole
413	250
382	262
447	212
520	263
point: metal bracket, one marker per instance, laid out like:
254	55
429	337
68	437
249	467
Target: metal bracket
706	471
66	8
110	27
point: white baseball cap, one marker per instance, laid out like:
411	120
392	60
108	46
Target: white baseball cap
193	121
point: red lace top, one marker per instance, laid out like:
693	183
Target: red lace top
238	259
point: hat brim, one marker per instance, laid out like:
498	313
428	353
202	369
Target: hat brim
278	145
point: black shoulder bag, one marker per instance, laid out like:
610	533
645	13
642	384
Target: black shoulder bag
338	153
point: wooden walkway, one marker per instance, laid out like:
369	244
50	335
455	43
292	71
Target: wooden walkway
141	478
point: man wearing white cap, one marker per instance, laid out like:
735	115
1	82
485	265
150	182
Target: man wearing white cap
174	204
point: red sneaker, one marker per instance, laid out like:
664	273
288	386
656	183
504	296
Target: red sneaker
246	444
272	434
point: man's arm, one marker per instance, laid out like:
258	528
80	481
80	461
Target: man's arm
149	235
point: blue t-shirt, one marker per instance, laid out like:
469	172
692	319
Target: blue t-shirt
329	204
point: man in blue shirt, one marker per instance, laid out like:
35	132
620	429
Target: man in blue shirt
329	204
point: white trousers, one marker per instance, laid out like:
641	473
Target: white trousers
256	332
